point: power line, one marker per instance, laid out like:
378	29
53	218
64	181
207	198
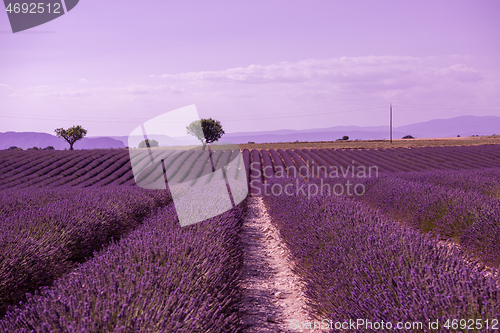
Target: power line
237	118
306	114
484	108
136	120
97	120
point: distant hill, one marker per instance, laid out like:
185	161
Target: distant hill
41	140
463	126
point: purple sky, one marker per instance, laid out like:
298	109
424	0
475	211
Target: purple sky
254	65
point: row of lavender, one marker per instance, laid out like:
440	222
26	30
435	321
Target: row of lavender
453	203
360	265
461	206
19	169
160	278
65	168
335	164
44	233
484	181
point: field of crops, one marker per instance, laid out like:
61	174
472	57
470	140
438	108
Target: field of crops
96	168
380	234
358	262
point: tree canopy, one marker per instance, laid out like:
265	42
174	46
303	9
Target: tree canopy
71	135
206	130
151	142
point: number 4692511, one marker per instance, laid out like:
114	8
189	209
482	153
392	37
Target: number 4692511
33	8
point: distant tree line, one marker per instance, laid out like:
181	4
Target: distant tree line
148	143
33	148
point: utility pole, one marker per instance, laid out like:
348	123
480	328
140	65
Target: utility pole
391	121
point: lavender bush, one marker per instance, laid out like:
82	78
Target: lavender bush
466	217
483	181
56	229
356	263
160	278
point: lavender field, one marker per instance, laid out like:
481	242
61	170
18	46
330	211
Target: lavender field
249	166
95	168
414	237
358	263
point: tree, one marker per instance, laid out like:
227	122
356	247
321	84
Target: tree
408	137
345	138
71	135
151	142
206	130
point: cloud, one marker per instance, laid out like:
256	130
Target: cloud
339	69
3	85
137	89
132	89
371	73
461	73
83	80
342	83
66	94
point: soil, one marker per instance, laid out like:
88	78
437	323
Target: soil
486	270
272	294
379	144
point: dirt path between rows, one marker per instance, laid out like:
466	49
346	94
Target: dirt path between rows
272	294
